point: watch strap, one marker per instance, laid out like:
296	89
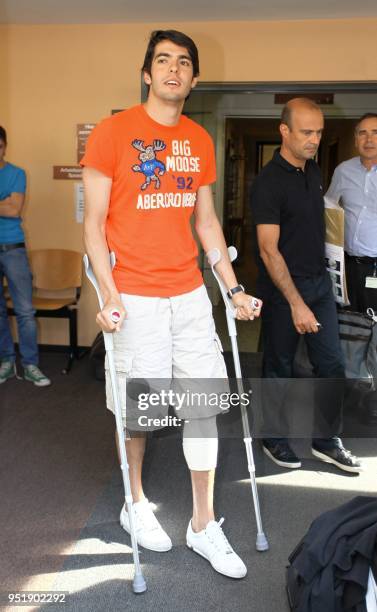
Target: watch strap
235	290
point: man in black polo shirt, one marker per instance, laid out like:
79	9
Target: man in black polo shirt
288	211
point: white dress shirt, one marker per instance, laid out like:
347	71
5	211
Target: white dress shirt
355	188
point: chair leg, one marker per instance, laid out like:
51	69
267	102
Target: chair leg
73	348
68	367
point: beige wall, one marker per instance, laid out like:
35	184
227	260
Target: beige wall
3	74
53	77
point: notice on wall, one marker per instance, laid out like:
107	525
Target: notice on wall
79	202
83	132
67	173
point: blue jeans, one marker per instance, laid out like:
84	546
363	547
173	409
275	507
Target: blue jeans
15	267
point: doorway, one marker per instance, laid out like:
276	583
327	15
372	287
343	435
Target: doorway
243	120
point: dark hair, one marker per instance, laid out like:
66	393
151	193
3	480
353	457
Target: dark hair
365	116
286	114
3	135
178	38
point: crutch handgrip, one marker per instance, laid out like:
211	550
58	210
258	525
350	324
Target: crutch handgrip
256	304
115	315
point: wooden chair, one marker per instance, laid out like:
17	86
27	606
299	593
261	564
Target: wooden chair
57	277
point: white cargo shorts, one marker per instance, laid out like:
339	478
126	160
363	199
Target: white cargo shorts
168	344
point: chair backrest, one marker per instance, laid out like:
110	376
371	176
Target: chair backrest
56	269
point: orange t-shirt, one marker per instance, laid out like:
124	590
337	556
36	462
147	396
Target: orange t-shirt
156	171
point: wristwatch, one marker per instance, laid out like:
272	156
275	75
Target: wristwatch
235	290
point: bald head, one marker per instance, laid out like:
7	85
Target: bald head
297	105
301	130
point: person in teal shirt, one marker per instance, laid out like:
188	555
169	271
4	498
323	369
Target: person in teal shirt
14	266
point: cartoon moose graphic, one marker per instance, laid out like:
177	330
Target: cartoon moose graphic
149	163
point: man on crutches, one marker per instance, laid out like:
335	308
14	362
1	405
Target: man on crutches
146	170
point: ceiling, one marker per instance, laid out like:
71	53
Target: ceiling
148	11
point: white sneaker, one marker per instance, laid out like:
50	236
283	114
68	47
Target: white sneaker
148	530
213	545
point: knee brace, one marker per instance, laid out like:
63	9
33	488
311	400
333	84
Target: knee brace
200	444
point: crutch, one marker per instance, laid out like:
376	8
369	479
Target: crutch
214	256
138	584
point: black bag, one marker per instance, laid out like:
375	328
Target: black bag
358	339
